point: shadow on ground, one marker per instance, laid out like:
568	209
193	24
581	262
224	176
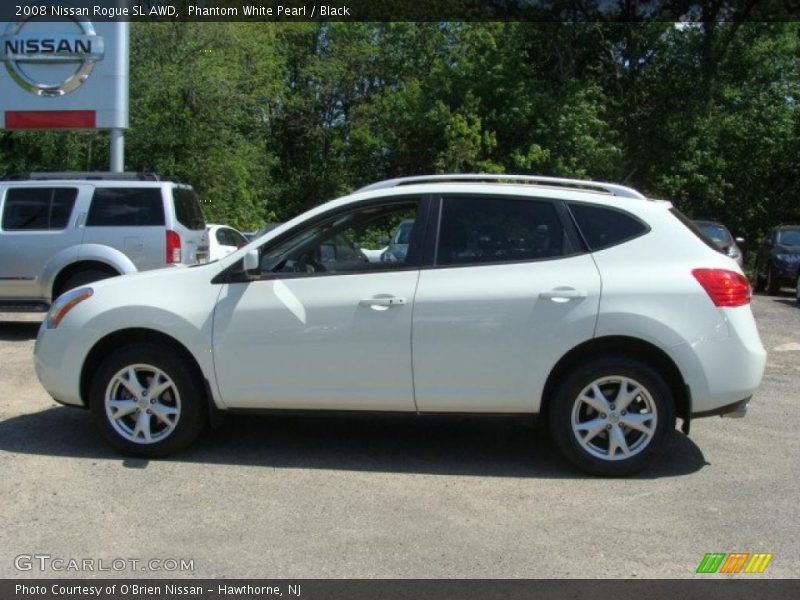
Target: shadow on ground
489	447
18	331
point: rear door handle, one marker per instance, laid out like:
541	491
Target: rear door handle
563	295
383	301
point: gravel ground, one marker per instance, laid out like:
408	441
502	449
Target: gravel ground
317	497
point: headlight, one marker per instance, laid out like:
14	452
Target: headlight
65	303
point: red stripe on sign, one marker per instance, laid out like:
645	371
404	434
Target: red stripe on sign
50	119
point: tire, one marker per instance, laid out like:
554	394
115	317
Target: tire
182	410
797	290
758	282
80	278
570	416
773	285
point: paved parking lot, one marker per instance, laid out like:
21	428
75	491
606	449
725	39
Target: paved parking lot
389	497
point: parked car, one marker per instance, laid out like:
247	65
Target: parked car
59	231
572	310
778	259
222	240
722	238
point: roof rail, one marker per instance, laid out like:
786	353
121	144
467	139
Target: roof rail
92	175
579	184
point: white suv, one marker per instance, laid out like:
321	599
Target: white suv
517	295
59	231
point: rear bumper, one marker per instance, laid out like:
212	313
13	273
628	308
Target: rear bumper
723	373
735	410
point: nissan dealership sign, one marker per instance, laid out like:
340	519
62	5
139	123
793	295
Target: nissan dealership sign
68	73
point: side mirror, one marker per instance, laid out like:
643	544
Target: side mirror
250	263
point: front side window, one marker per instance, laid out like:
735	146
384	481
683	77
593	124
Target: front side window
348	243
476	230
126	207
38	209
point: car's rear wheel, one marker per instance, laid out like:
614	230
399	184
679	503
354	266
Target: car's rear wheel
797	289
612	415
147	401
773	281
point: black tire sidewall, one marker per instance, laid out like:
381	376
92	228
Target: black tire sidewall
193	414
565	396
81	278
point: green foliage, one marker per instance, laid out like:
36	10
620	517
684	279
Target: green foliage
266	120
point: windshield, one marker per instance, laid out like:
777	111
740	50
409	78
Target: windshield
187	208
716	232
789	237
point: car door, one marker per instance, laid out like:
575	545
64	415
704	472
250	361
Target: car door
38	222
322	327
510	293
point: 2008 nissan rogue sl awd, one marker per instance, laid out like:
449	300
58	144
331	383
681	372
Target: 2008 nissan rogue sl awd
517	295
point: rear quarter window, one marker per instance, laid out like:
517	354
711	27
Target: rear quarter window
603	227
126	207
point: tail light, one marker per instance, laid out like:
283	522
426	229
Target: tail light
725	288
173	247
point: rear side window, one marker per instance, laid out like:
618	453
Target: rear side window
478	230
605	227
126	207
38	209
187	208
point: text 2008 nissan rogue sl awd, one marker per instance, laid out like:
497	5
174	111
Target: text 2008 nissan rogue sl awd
517	295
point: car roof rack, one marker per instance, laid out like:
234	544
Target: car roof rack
578	184
91	175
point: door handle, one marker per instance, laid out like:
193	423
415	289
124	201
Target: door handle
562	295
384	301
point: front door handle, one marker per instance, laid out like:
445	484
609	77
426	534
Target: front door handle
383	301
563	295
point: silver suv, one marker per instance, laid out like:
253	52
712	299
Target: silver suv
59	231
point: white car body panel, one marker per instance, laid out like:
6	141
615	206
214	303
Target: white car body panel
312	343
485	340
135	301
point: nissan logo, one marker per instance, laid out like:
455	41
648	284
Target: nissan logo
77	52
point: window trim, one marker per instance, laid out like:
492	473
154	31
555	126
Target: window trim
575	244
415	263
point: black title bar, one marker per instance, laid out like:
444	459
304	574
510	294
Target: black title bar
403	10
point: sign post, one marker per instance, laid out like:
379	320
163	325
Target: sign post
66	74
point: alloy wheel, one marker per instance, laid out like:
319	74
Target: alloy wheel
142	404
614	418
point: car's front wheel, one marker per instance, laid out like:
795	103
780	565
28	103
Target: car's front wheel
147	401
612	415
